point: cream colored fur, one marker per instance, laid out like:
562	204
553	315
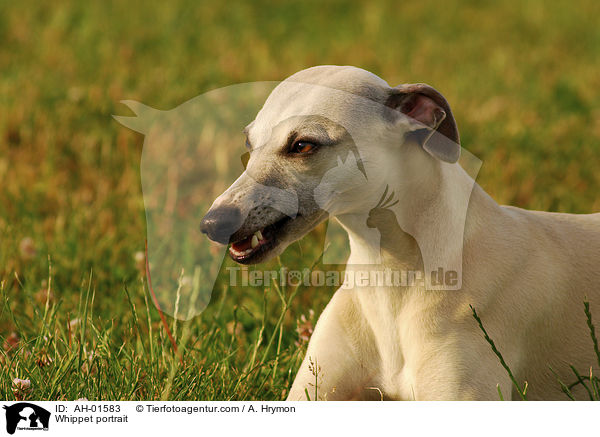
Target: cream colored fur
526	273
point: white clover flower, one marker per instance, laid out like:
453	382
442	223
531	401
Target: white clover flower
21	384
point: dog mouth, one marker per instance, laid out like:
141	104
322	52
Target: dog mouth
253	248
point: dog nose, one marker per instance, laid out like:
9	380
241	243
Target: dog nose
221	223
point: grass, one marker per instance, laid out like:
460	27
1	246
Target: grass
76	318
130	356
590	383
522	391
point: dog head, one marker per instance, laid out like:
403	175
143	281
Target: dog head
324	144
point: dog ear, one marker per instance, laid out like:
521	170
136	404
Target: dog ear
427	106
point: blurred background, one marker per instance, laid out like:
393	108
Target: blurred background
522	78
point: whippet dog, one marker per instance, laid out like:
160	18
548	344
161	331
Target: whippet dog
408	205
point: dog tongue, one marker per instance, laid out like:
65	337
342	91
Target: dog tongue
243	244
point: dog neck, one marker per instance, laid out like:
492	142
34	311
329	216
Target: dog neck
425	231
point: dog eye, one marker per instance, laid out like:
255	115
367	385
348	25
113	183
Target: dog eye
302	147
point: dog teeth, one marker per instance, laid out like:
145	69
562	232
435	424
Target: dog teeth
257	237
240	252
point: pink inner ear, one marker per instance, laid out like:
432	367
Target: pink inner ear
422	109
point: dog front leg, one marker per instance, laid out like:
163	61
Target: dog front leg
334	367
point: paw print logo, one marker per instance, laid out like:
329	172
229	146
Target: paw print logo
382	212
294	278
